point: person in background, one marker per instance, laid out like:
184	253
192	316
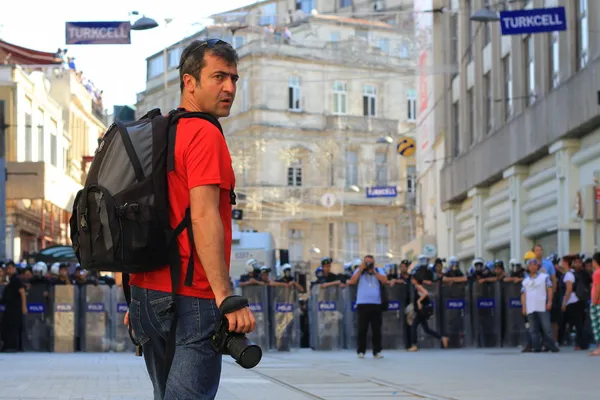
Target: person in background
252	275
454	274
499	272
421	272
328	278
15	307
595	302
438	270
477	271
572	306
517	272
536	300
423	308
287	279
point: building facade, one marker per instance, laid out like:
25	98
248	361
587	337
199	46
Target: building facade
313	129
522	134
50	130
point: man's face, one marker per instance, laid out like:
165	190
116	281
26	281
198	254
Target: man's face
63	272
11	270
532	267
326	269
499	271
538	252
369	261
215	92
404	268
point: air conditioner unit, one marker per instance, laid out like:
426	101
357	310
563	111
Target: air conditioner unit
378	5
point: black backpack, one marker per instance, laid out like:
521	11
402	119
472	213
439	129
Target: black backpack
582	286
120	221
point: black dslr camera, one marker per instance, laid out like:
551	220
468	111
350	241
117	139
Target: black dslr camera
237	345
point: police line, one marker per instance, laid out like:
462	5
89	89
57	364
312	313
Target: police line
75	318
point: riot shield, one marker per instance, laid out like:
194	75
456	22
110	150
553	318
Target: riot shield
454	313
36	327
487	314
426	341
120	339
515	322
351	318
95	318
392	329
63	318
326	318
285	314
258	299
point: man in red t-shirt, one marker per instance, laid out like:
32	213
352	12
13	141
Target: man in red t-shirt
202	180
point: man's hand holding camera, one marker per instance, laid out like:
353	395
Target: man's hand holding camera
240	321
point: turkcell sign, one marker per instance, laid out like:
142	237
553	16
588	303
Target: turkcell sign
95	307
110	32
122	308
486	303
36	308
455	304
327	306
256	307
382	191
537	20
64	307
394	305
515	303
284	307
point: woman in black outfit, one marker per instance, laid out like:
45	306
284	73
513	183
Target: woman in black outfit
423	310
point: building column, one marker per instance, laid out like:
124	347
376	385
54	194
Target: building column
477	196
517	195
567	176
446	241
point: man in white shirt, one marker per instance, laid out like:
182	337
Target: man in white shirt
536	298
573	309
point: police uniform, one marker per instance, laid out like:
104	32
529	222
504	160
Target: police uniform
454	272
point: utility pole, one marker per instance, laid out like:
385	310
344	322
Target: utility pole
2	180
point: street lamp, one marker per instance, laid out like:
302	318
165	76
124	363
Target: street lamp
385	140
354	188
143	23
485	15
315	250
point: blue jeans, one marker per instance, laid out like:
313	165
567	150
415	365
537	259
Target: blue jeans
196	368
539	323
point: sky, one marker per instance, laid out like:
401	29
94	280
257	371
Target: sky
119	70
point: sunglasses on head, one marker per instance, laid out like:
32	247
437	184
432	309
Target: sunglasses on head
209	44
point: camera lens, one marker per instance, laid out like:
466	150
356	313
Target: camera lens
245	353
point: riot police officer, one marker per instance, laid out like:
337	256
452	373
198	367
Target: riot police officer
517	272
421	272
454	274
438	269
252	275
478	272
287	278
327	278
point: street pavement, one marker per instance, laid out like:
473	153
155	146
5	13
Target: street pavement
467	374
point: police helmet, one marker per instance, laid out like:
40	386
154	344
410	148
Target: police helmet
490	265
55	268
319	272
286	267
264	268
326	260
422	260
478	260
40	267
499	263
356	263
406	262
453	261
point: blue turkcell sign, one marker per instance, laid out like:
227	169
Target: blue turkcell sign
537	20
382	191
98	32
455	304
486	303
394	305
95	307
122	308
284	307
327	306
515	303
36	308
256	307
64	307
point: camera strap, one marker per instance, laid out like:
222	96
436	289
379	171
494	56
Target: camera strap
233	303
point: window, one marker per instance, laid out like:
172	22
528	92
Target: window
384	45
295	174
363	34
583	33
382	240
369	101
238	41
411	179
487	33
268	14
352	241
471	112
403	48
487	81
469	39
381	171
454	39
245	95
508	90
28	137
174	57
340	98
411	100
295	245
345	3
456	129
529	59
305	5
351	168
554	60
53	149
40	130
294	93
65	160
155	66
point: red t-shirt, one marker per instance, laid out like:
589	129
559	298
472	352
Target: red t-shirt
201	158
595	281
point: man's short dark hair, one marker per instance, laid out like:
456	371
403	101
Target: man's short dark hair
536	246
192	59
368	256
